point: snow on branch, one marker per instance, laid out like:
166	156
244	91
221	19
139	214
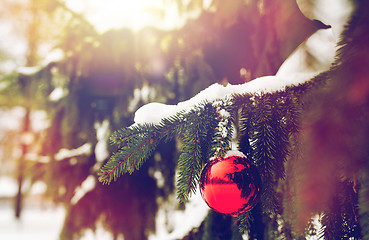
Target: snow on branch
154	113
204	123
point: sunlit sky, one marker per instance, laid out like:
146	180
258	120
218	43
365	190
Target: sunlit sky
134	14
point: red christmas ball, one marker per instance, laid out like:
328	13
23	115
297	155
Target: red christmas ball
230	184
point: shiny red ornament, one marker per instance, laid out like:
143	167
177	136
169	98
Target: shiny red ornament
230	185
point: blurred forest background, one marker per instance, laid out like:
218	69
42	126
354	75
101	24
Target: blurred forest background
69	79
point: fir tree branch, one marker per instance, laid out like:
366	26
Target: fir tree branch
244	222
200	124
206	121
245	124
125	135
136	144
189	166
265	142
224	130
340	220
127	159
364	202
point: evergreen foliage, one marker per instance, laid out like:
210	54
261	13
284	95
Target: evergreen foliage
340	220
364	206
266	122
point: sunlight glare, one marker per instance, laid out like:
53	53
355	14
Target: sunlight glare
115	14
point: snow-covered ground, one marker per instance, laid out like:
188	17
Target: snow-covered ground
43	221
36	223
40	220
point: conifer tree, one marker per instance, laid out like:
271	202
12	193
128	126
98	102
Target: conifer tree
319	124
307	137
